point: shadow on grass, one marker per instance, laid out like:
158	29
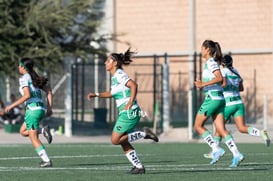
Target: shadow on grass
79	128
87	128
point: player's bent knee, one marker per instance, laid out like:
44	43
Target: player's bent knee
24	134
197	127
115	141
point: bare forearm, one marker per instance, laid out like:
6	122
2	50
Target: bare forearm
50	99
105	94
213	81
99	94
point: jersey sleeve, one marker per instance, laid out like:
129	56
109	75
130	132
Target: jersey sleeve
122	77
23	81
212	65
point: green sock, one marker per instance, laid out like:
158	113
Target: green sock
218	139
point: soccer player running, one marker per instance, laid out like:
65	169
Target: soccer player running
30	88
232	85
214	104
124	91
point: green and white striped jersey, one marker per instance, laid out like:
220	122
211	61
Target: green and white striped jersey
120	92
215	91
231	90
35	93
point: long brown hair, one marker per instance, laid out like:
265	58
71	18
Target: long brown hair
215	50
38	81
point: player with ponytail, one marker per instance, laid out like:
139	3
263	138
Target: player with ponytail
124	91
30	88
233	85
214	104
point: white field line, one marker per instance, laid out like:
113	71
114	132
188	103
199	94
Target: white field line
156	167
66	157
105	155
61	145
180	167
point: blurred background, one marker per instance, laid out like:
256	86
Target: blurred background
70	39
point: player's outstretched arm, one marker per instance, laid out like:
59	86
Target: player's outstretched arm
101	94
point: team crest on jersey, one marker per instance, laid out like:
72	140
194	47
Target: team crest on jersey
119	128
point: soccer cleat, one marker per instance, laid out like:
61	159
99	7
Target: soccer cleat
217	155
208	155
150	134
44	164
136	170
47	134
236	161
265	137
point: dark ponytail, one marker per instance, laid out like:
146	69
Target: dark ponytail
228	61
38	81
218	56
123	58
215	50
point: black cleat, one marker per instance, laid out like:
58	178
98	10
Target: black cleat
47	134
150	134
136	170
44	164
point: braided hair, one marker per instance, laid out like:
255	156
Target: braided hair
228	61
38	81
123	58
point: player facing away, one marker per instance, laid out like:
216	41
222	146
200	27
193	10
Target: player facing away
124	91
214	104
30	88
232	85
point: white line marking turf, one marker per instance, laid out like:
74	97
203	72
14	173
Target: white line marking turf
170	167
65	156
190	167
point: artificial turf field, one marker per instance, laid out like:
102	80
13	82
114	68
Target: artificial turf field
163	162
